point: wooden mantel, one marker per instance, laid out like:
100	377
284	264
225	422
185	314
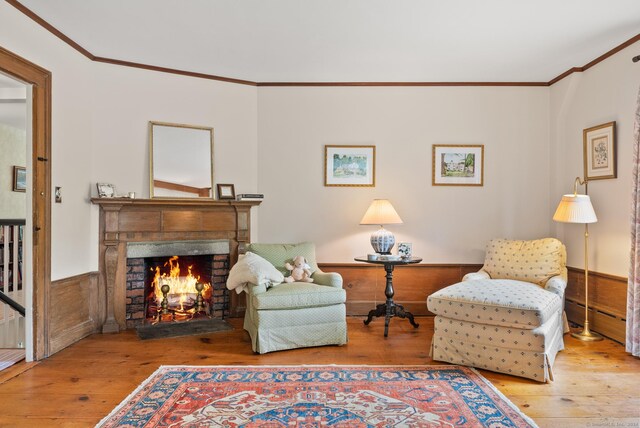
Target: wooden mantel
124	220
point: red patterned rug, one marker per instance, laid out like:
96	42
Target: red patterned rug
314	396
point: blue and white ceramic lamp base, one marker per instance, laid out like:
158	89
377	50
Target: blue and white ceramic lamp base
382	241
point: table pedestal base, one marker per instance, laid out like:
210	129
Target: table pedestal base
390	310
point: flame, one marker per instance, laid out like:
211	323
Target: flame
182	289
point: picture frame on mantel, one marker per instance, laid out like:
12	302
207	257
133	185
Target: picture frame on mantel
106	190
349	166
226	191
599	147
457	165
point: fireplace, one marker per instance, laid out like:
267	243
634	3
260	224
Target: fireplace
125	222
163	287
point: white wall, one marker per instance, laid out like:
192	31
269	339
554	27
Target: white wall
604	93
126	99
445	224
100	131
72	252
13	147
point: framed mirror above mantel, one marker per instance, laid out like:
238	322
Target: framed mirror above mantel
180	161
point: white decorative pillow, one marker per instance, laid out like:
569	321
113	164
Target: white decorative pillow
253	269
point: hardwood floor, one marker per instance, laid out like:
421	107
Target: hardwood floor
596	384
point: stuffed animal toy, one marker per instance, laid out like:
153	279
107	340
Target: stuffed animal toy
300	270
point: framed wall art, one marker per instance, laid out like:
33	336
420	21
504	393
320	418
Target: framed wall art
350	166
226	191
600	152
457	165
19	179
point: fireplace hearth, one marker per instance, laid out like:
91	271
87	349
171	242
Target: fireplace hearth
164	289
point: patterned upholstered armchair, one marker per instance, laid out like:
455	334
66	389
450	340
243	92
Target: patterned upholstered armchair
296	314
509	316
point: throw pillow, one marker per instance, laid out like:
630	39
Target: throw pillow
530	261
253	269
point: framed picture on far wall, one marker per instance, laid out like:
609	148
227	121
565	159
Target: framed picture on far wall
19	179
353	166
600	152
457	165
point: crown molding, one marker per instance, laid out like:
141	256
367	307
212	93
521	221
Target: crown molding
46	25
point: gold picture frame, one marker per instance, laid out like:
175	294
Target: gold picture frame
457	165
349	166
599	152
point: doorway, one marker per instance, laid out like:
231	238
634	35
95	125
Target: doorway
35	180
14	107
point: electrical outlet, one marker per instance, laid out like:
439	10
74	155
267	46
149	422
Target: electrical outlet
58	195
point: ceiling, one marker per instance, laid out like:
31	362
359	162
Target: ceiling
350	40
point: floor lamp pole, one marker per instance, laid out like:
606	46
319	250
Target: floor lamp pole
586	334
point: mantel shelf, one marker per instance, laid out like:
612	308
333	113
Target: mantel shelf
173	202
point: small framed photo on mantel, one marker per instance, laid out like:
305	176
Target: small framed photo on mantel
600	152
226	191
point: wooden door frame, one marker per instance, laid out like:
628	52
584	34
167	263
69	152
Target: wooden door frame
40	79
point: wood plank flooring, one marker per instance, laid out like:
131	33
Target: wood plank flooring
596	384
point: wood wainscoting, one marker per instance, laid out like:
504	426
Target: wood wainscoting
412	284
365	284
607	302
73	310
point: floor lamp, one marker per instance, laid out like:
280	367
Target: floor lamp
578	209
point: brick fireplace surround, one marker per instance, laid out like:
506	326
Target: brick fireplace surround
124	221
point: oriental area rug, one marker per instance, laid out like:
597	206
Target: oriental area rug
315	396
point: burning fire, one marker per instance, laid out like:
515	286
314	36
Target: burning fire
182	289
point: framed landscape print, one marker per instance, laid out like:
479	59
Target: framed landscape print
350	166
19	179
457	165
600	152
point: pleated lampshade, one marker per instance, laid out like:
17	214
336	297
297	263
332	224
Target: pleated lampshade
381	212
575	209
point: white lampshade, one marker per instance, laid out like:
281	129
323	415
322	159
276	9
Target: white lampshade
381	212
575	209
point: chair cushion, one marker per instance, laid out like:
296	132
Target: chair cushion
298	295
530	261
501	302
279	254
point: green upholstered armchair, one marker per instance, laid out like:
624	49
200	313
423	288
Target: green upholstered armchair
296	314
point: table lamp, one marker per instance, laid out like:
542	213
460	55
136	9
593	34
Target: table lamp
578	209
381	212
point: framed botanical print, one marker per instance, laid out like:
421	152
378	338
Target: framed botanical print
600	152
457	165
350	166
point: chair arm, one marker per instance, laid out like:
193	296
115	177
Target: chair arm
476	275
253	289
556	284
332	279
